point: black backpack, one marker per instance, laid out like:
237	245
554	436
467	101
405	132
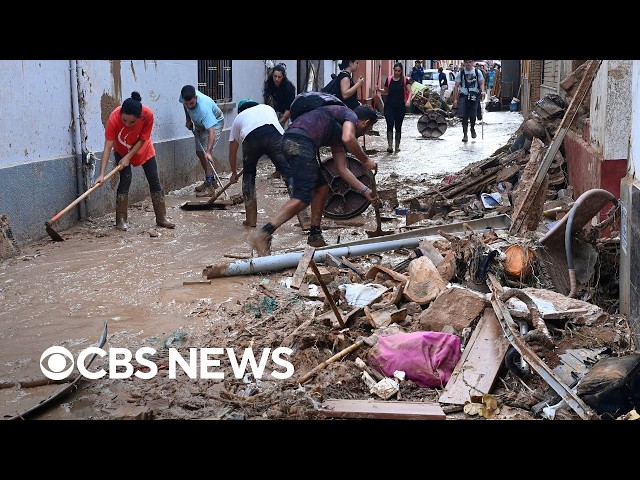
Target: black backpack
333	87
307	101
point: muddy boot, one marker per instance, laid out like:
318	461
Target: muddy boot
159	207
397	142
464	136
209	191
251	212
473	131
315	238
260	241
122	204
202	186
389	142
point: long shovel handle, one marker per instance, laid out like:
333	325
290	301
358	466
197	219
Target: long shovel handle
215	197
210	162
83	196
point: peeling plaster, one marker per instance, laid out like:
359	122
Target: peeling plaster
117	79
107	105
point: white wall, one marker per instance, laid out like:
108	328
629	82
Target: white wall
35	122
610	117
105	84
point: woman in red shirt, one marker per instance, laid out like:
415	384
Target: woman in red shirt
128	133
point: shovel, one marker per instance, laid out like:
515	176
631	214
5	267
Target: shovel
55	235
209	204
378	232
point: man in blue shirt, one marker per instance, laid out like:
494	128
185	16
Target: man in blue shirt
417	72
206	120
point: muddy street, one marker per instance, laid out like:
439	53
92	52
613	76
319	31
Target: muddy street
147	283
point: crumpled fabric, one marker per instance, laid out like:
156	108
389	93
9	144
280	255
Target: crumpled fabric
427	358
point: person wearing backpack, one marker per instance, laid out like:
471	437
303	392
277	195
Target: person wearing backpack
397	89
343	86
334	126
468	93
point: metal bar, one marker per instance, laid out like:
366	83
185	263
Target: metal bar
512	333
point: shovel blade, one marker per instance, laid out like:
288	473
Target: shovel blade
202	206
55	236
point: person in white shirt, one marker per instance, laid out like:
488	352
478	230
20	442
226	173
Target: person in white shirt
258	130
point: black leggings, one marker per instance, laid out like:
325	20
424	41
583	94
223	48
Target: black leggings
150	168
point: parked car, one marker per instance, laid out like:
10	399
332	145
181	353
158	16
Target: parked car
431	80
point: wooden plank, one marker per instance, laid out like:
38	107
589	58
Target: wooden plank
196	282
382	409
298	276
480	362
520	213
327	294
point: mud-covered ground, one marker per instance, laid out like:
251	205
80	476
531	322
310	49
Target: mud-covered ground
147	286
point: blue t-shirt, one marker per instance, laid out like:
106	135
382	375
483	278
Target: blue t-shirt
491	74
206	113
469	82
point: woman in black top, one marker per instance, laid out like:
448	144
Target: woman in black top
397	90
349	88
279	92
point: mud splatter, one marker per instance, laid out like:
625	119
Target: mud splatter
107	105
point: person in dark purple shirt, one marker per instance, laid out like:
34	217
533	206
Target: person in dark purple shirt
332	126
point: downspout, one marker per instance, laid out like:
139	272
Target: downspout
77	137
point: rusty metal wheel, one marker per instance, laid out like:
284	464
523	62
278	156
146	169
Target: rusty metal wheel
342	201
433	123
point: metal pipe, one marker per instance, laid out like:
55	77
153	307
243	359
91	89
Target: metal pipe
289	260
77	137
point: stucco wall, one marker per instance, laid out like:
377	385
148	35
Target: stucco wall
36	111
38	169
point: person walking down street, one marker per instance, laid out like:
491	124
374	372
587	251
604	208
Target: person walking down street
468	93
334	126
128	134
490	78
257	129
396	88
206	120
417	72
348	87
443	82
279	92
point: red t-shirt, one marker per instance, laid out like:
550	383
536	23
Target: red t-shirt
124	138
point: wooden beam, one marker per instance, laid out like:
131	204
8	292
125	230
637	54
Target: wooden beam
303	264
382	409
521	212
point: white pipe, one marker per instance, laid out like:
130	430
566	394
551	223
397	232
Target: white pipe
77	137
288	260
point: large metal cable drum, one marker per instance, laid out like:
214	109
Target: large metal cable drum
343	202
433	123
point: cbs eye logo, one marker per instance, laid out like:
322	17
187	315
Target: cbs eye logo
53	363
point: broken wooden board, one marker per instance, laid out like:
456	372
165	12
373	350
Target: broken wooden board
480	362
382	409
303	265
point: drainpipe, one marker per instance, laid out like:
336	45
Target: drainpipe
77	137
288	260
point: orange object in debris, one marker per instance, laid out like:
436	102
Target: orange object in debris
518	261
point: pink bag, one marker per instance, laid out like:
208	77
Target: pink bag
427	358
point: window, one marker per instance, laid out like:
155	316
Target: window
214	79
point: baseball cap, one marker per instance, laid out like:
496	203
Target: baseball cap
246	103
